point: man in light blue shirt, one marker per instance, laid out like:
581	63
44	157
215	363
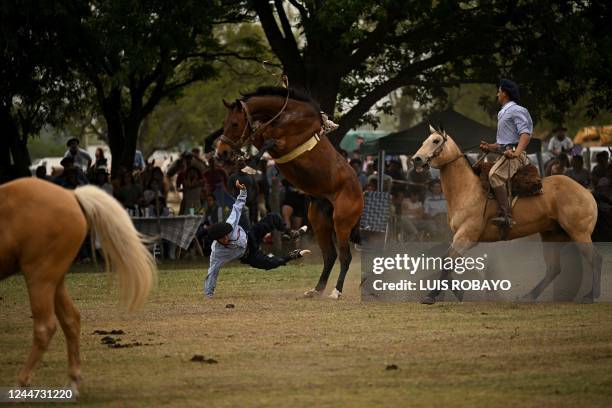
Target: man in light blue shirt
232	242
514	130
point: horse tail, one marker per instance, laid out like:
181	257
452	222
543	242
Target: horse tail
355	236
122	245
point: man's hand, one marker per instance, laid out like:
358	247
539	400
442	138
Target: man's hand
240	186
487	147
510	154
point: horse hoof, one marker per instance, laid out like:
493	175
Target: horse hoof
74	386
336	294
428	300
311	293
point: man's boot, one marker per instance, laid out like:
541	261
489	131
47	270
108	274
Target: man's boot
504	219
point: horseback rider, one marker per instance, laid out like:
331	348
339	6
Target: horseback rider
514	130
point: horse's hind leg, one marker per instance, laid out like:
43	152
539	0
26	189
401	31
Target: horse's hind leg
70	320
594	259
346	216
320	216
41	295
551	246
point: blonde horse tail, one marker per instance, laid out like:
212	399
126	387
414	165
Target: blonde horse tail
122	246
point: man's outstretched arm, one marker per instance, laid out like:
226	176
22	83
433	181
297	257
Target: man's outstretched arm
234	216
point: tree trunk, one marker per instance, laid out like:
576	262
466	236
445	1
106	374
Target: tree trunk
130	138
14	155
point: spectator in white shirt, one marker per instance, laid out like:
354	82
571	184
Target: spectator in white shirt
559	143
80	157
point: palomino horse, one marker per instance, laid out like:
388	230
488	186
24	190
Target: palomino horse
289	126
43	227
565	211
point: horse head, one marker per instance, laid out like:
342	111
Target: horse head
437	150
236	131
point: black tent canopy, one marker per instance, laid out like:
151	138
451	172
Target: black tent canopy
464	131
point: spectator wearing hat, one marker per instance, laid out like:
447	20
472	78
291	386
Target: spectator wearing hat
514	130
559	143
232	242
71	176
80	157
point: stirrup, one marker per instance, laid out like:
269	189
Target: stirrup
503	222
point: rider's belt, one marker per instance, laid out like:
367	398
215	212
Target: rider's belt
509	146
303	148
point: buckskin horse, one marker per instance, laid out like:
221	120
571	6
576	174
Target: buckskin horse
289	125
565	211
43	227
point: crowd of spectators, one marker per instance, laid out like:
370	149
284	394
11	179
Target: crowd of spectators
207	187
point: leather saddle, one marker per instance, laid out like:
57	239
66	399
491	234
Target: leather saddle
526	181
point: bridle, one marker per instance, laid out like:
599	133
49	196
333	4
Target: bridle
255	127
438	150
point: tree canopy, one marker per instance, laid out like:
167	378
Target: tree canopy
351	54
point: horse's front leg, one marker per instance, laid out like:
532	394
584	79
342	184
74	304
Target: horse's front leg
252	165
462	242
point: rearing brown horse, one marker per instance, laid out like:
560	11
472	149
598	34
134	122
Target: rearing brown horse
289	126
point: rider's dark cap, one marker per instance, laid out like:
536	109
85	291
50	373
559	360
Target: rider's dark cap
219	230
511	88
72	139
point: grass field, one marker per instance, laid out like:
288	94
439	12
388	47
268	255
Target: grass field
276	349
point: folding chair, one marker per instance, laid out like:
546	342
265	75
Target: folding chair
375	217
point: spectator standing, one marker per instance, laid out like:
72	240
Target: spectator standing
215	178
193	189
99	161
80	157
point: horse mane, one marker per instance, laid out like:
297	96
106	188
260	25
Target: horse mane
294	94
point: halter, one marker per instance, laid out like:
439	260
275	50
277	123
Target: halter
438	150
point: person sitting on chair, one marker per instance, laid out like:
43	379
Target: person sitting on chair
514	130
232	242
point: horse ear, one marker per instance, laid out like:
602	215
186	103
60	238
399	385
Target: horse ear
227	104
431	129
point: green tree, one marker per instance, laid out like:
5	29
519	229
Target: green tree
135	53
37	86
188	118
352	53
